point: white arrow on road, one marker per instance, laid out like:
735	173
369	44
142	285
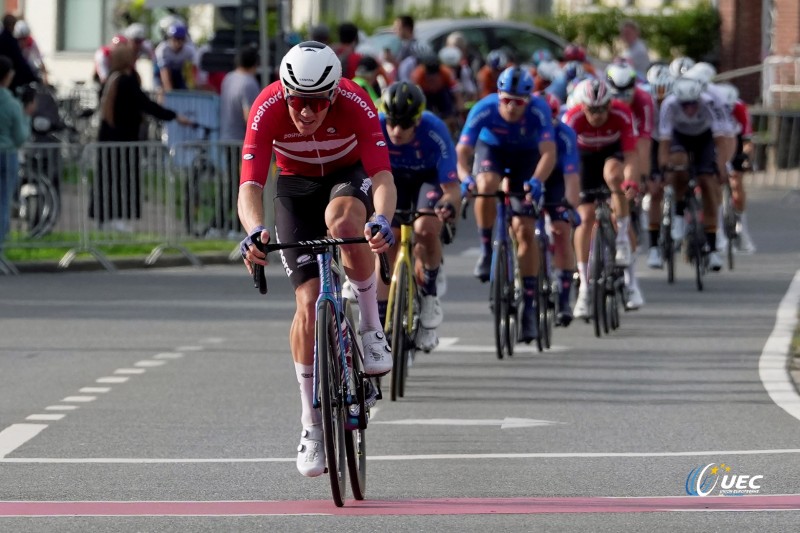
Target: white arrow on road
505	423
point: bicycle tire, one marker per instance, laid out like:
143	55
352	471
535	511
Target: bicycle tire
399	311
499	297
728	224
51	209
697	239
597	282
542	299
331	400
355	441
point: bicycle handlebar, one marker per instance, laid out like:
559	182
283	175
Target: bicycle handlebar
260	278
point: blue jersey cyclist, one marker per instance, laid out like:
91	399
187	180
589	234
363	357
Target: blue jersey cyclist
509	134
423	161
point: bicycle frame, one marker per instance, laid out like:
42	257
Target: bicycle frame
404	255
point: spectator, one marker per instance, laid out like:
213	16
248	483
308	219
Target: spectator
636	52
30	50
176	60
9	47
239	91
320	33
14	130
464	71
404	29
346	49
116	194
366	77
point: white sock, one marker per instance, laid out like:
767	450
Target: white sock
368	303
582	268
630	273
305	377
622	228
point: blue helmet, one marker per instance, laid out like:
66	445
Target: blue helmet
176	31
515	80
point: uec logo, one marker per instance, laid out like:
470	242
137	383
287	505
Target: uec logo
702	480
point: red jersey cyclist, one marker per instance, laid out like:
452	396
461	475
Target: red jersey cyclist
334	174
607	148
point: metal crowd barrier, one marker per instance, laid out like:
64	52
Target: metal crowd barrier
776	136
143	193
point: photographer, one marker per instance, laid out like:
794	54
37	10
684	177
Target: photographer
14	131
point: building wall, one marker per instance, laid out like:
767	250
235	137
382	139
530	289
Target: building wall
787	27
741	41
644	5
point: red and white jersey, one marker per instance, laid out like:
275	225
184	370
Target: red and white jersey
741	115
350	132
644	113
618	128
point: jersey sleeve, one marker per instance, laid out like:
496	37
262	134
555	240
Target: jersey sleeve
257	148
665	119
540	113
627	130
445	150
742	116
568	150
368	130
648	115
476	119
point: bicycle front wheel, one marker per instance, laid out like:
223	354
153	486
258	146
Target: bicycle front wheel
355	441
499	290
399	341
598	283
331	400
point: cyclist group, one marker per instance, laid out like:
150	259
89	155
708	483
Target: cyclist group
345	167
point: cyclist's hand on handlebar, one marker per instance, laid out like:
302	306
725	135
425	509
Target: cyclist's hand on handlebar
535	188
468	185
383	238
445	211
184	120
251	254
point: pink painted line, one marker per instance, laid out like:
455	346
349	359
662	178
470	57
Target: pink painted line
434	506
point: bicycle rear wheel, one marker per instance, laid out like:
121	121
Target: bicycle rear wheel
399	340
697	241
355	441
728	224
332	402
597	283
543	300
499	296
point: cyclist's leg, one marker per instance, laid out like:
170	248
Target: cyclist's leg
612	174
592	164
655	187
705	170
560	187
349	209
488	172
740	165
428	252
678	158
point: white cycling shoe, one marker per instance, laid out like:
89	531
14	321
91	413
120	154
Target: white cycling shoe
427	339
715	261
654	259
430	312
635	299
377	353
745	245
678	228
582	305
624	253
311	452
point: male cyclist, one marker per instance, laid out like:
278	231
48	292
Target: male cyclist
607	146
423	161
693	121
510	134
621	79
334	174
563	184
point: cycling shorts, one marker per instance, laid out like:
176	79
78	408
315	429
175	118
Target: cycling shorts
517	165
416	189
700	147
300	204
592	168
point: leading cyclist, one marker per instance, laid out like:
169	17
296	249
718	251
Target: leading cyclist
509	133
334	174
423	161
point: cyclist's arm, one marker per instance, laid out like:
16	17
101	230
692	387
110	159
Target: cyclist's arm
629	165
547	160
251	206
663	152
452	193
464	153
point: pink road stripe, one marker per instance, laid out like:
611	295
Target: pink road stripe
434	506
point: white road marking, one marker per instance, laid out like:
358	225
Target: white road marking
473	348
129	371
473	251
168	355
93	390
16	435
61	407
189	349
772	363
446	342
44	417
112	379
420	457
149	364
82	399
504	423
213	340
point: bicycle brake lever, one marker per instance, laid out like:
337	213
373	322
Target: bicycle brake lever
384	260
259	276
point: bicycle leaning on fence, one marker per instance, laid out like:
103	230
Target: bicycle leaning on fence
342	391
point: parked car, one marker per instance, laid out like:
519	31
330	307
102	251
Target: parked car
483	35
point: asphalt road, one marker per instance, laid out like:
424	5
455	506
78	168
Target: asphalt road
176	385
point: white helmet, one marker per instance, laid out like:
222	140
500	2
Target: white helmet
702	72
687	89
593	93
311	67
548	70
729	93
620	78
135	32
660	84
22	30
657	72
680	65
450	56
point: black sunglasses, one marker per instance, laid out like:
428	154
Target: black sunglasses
405	123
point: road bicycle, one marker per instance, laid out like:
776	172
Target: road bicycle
548	285
730	223
403	305
342	391
606	279
505	281
696	247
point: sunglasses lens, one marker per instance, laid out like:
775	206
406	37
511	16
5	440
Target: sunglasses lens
596	110
298	103
405	123
508	99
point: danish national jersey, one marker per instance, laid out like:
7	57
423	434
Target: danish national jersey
350	133
644	113
741	115
618	128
